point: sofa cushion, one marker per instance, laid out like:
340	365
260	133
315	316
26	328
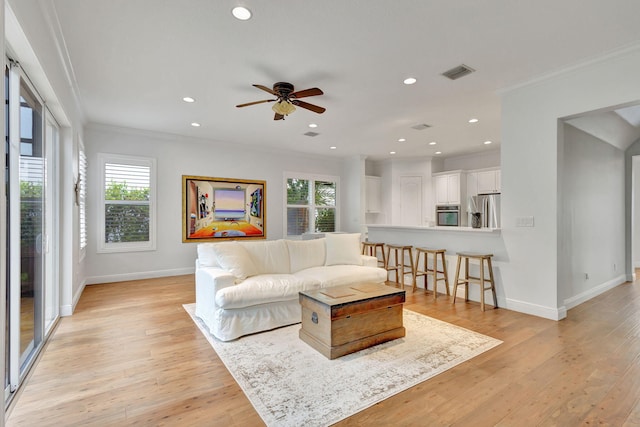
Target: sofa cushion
343	248
306	253
207	255
340	275
268	256
235	259
264	289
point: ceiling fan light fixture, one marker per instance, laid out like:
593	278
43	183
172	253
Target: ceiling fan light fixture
283	107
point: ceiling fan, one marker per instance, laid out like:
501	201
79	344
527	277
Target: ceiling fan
287	100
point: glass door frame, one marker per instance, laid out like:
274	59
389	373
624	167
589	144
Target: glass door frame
19	362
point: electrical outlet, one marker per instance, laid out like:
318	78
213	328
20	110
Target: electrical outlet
586	276
615	267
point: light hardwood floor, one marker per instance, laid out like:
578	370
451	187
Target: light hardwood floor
130	355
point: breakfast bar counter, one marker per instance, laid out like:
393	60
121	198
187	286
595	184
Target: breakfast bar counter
453	239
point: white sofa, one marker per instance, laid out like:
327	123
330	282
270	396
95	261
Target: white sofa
252	286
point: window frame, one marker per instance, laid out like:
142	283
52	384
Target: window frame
312	206
81	199
150	245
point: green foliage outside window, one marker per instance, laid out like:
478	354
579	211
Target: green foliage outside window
298	193
121	191
126	222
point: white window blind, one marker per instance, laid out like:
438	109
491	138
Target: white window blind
82	197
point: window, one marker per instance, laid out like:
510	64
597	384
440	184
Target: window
127	214
82	196
311	204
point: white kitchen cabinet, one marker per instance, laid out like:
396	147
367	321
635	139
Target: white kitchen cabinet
372	202
489	182
472	184
450	188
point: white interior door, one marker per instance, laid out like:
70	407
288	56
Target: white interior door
410	200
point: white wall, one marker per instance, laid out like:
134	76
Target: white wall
486	159
635	210
632	220
591	226
530	178
30	36
352	196
177	156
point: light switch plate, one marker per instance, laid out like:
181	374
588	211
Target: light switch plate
524	221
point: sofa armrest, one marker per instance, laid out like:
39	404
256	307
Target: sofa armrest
209	280
369	261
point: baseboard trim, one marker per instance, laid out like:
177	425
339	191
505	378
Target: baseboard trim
67	310
552	313
594	292
124	277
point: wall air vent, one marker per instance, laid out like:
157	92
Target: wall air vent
312	134
421	126
457	72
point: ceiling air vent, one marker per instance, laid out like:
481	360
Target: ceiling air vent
421	126
457	72
312	134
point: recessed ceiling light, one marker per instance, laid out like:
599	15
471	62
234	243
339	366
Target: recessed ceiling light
432	143
241	13
313	125
392	152
188	99
409	81
332	148
474	120
487	142
195	124
438	152
402	140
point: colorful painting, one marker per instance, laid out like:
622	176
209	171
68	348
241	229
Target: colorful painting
222	208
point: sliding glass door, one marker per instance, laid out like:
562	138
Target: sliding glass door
32	304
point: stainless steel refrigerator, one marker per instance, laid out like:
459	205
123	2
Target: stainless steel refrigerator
488	205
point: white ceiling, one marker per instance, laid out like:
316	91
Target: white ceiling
134	60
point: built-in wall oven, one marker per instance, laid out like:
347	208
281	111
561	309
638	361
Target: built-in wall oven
448	216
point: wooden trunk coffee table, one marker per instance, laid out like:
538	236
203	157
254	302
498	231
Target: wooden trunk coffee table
345	319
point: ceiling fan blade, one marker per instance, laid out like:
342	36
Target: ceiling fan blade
255	102
266	89
308	106
278	117
307	92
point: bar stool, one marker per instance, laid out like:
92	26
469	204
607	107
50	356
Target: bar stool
433	271
482	280
399	261
371	249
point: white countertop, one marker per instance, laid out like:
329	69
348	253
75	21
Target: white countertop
424	228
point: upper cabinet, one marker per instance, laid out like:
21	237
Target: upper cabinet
372	202
489	181
450	188
472	184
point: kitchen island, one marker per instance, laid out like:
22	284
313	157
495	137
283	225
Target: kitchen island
453	239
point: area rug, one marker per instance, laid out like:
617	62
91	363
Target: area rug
291	384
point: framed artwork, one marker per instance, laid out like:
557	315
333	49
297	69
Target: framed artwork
222	208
